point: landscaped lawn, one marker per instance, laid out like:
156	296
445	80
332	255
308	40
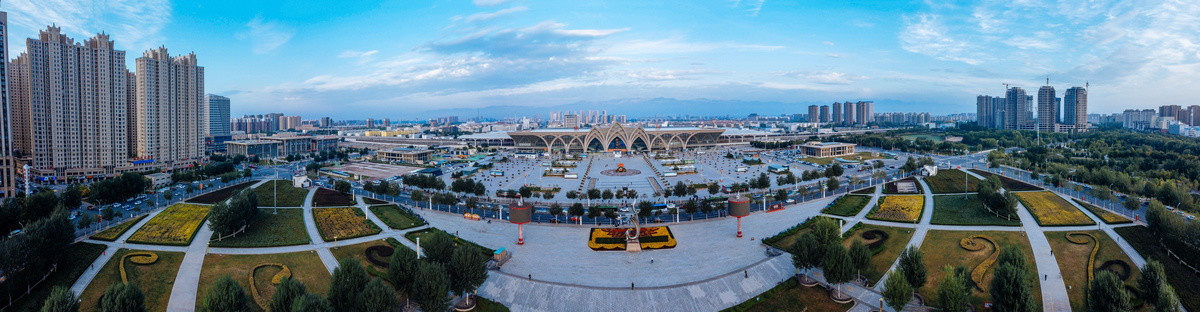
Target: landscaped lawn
75	260
270	229
885	251
221	194
395	217
860	156
941	249
784	240
305	266
1051	210
956	210
790	296
330	198
1073	261
1008	183
890	188
914	137
372	201
359	252
484	305
951	181
288	196
343	223
848	205
112	233
1108	216
155	280
175	225
865	191
899	208
1181	278
428	233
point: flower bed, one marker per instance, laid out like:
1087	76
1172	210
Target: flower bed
330	198
112	233
175	225
1107	216
342	223
1051	210
899	208
658	237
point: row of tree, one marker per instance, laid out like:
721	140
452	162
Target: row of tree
382	188
25	258
241	210
117	189
424	181
469	186
992	194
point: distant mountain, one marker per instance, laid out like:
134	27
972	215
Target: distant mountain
641	108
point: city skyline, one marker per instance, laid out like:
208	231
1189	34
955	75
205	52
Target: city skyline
319	61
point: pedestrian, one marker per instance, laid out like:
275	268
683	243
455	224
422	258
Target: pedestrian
531	277
631	285
747	272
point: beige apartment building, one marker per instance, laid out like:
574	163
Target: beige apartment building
7	160
169	116
70	106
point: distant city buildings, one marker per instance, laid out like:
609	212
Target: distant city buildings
218	115
1014	111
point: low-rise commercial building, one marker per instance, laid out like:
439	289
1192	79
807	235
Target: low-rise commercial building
827	149
404	155
249	148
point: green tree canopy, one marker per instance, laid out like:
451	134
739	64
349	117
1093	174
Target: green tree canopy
346	284
897	292
225	295
912	265
121	297
61	299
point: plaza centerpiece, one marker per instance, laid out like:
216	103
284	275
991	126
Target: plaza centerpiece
614	239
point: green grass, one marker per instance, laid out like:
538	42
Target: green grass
1073	260
786	238
283	229
288	196
305	266
955	210
790	296
951	181
155	280
112	233
428	233
1181	278
882	257
1108	216
74	262
395	217
860	156
847	206
484	305
941	249
359	252
914	137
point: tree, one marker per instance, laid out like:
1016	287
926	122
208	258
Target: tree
72	197
897	292
713	188
594	212
805	253
832	184
377	296
547	195
645	209
781	195
593	193
121	297
467	270
286	294
607	194
225	295
311	303
418	196
1012	289
61	299
346	284
1107	294
1166	301
912	265
1152	280
342	187
572	194
1132	203
691	206
838	268
826	231
439	248
953	293
834	171
680	189
555	210
430	293
860	256
167	195
576	210
402	268
84	221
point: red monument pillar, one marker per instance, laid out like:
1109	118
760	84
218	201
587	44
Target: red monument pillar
520	213
739	206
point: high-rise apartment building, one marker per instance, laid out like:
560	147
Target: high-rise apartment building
1170	111
864	112
1016	111
8	162
849	116
1075	108
170	96
814	114
837	112
294	122
825	113
217	114
983	111
1193	113
1047	109
74	106
570	121
370	123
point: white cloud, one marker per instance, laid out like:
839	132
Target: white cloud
826	77
479	17
834	55
265	36
133	24
361	57
828	43
926	35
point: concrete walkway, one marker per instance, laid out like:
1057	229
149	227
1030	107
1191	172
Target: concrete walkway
315	235
90	273
187	280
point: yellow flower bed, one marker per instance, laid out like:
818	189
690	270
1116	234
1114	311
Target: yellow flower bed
1051	210
655	237
175	225
342	223
899	208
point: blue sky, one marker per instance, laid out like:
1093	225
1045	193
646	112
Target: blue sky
397	59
